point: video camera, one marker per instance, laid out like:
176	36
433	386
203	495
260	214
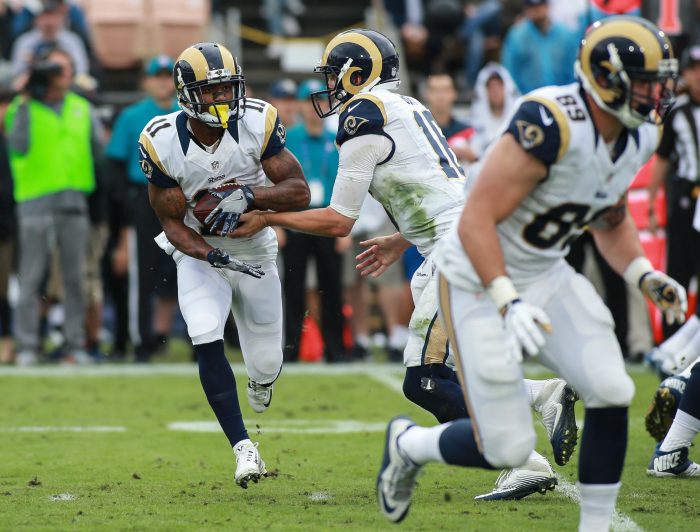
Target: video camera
40	77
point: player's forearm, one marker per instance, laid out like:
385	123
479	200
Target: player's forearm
186	239
288	195
481	243
321	222
619	245
659	170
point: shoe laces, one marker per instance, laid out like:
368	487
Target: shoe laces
259	390
503	477
404	478
247	452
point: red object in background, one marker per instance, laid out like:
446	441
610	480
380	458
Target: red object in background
617	7
348	337
311	342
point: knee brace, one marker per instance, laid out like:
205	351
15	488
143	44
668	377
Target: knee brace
435	388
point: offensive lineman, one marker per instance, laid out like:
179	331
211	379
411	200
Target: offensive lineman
221	136
391	146
565	161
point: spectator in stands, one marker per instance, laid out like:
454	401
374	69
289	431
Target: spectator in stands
440	96
538	52
481	30
53	136
49	31
374	222
678	163
7	236
73	15
7	15
495	93
152	273
281	17
283	95
314	146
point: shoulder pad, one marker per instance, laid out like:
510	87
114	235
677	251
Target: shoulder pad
150	161
541	128
362	115
262	120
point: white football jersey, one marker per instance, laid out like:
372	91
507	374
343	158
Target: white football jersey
586	177
420	184
171	157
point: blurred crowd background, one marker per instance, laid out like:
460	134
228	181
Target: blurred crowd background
81	279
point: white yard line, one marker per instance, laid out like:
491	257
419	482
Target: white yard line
41	428
145	370
297	426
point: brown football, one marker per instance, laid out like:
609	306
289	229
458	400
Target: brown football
207	202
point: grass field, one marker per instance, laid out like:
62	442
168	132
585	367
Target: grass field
94	449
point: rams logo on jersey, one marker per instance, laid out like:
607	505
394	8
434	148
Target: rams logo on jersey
530	135
146	168
281	132
353	123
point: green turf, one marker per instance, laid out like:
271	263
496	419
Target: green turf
151	478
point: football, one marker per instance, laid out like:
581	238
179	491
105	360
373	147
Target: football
207	202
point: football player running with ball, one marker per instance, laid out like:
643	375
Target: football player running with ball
564	162
391	146
221	136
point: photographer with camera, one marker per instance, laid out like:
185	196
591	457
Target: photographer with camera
53	138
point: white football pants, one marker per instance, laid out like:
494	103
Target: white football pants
582	349
207	295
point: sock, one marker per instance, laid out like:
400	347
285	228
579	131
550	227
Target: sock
533	389
220	388
681	433
422	444
690	351
603	445
597	506
458	445
398	337
682	336
362	340
690	402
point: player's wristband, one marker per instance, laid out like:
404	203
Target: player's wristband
637	269
502	291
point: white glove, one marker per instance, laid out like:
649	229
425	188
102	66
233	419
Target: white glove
524	322
666	294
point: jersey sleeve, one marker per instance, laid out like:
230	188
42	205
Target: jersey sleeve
541	129
363	115
668	138
275	134
151	164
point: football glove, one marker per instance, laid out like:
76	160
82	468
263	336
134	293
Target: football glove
666	294
525	323
218	258
228	212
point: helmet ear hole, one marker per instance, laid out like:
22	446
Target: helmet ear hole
356	78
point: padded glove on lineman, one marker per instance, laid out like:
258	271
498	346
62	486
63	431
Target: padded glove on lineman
666	294
525	323
228	212
220	259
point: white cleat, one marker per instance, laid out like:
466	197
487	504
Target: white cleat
397	475
555	403
259	396
249	465
534	476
